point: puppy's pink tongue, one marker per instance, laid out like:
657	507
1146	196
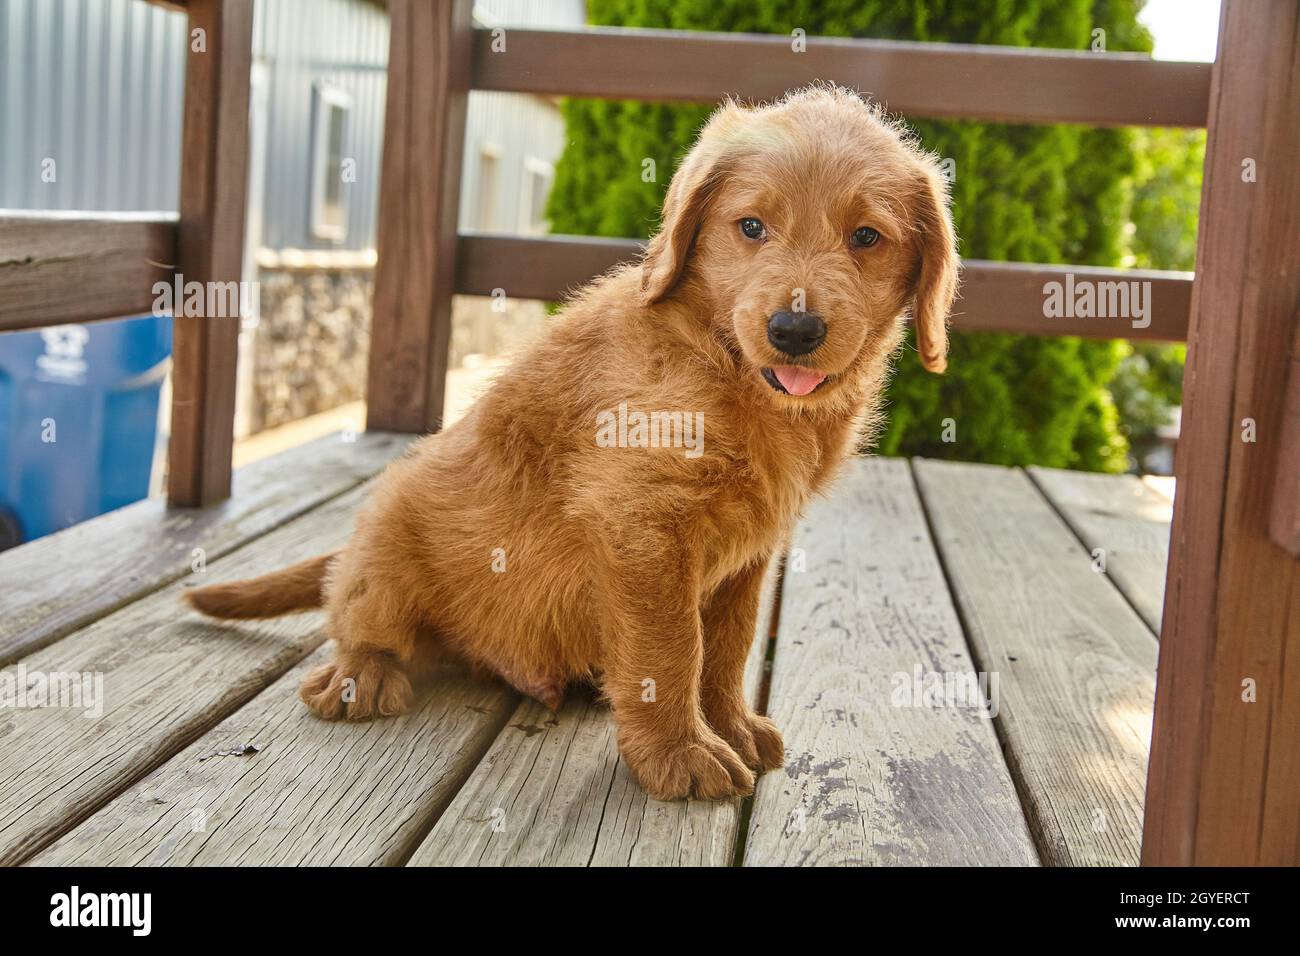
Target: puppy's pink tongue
796	380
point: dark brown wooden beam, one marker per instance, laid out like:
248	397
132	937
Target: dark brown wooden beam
1009	297
940	80
1284	522
57	268
995	296
424	137
1224	781
536	267
210	248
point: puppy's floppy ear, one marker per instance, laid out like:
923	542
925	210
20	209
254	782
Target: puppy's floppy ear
693	184
936	283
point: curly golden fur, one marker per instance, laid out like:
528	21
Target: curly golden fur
517	540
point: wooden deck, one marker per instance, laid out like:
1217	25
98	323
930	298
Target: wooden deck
204	755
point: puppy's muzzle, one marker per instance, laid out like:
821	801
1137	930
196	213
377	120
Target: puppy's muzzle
795	333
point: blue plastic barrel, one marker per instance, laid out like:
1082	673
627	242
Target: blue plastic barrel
78	421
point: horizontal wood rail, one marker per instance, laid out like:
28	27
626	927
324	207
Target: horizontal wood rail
536	267
80	267
938	80
1009	297
995	296
60	267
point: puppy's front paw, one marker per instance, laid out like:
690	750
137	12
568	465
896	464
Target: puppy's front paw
700	765
359	688
754	737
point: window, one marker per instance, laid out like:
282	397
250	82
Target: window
329	214
538	175
489	175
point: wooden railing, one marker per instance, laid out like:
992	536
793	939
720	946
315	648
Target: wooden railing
79	267
995	296
1225	779
408	355
85	267
937	80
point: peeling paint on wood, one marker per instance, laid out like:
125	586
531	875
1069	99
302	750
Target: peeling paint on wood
872	779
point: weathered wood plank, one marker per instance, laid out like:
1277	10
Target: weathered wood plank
1076	663
940	80
61	267
1127	520
552	791
995	296
875	774
167	676
210	249
64	581
317	793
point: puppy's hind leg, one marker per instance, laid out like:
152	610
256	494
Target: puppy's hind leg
377	654
358	684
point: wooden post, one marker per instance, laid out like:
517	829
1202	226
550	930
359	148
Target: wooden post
1224	780
424	138
1285	523
210	247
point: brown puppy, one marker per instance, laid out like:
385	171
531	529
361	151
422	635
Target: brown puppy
553	535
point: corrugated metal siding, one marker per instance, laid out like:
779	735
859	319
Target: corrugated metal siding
304	42
534	13
516	125
96	86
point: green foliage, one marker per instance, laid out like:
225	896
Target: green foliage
1148	384
1166	197
1041	194
1166	201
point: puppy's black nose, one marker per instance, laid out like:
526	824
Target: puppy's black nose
795	333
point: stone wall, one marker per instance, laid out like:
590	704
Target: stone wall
311	344
487	329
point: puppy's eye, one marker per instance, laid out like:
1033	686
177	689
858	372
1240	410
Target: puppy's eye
864	237
752	228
